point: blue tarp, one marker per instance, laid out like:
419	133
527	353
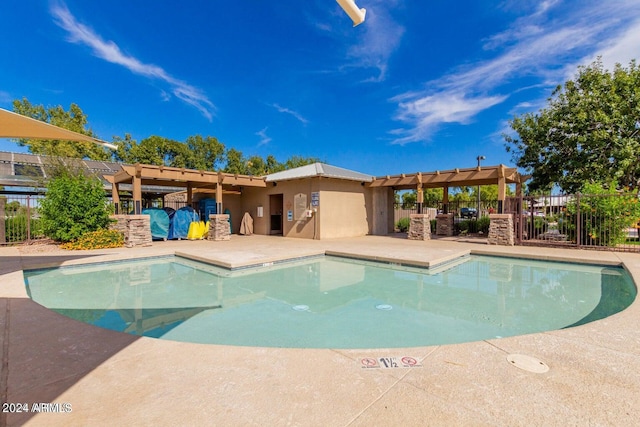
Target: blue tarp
159	223
171	212
181	221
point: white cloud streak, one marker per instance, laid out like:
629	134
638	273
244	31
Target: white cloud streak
264	138
532	47
295	114
380	37
110	52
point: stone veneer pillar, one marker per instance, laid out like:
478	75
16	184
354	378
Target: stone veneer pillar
219	227
135	228
419	227
501	230
444	224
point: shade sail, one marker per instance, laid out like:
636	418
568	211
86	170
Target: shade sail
14	125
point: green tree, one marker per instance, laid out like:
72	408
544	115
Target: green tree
123	152
432	196
235	162
409	199
589	132
297	161
74	120
256	166
157	150
203	153
74	204
273	165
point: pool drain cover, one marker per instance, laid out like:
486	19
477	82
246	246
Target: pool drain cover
528	363
301	307
385	307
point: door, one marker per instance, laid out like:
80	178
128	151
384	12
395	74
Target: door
276	207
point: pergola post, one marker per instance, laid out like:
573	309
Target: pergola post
445	200
419	192
115	196
502	187
137	190
219	194
189	194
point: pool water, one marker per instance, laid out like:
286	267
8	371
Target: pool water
330	302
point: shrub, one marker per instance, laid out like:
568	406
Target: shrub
605	214
100	239
463	226
16	228
74	205
403	224
483	224
434	225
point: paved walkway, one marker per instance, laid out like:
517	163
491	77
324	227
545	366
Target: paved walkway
109	378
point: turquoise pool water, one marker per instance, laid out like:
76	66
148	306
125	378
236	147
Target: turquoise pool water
329	302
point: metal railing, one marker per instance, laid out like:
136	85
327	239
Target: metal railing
602	222
19	218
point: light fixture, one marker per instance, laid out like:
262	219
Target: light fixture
356	15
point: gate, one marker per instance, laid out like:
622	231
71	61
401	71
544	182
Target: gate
19	218
602	221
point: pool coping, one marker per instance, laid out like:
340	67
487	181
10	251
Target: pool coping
593	378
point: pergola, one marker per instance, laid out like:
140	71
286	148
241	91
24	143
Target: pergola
138	175
500	175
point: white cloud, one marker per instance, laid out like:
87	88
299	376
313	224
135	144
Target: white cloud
380	37
532	47
295	114
110	52
264	138
428	112
372	42
5	98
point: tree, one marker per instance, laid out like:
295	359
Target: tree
157	150
589	132
409	199
74	120
203	153
235	162
123	152
74	204
297	161
257	166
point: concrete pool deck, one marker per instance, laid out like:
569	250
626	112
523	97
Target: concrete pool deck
109	378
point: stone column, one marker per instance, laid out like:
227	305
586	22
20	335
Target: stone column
419	227
219	227
136	229
444	224
501	230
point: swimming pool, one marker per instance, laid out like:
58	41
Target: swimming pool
330	302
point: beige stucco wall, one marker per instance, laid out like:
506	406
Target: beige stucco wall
254	197
343	209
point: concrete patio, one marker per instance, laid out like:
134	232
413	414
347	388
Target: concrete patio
109	378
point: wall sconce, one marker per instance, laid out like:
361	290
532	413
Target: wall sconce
356	15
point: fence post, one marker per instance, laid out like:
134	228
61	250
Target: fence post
3	236
578	222
28	219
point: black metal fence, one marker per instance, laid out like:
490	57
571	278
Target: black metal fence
603	222
19	218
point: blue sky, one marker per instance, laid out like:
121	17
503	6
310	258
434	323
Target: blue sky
419	86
